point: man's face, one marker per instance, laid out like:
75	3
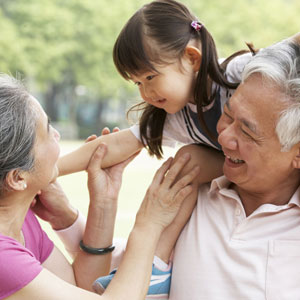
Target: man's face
253	157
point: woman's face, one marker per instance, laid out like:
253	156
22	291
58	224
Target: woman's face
46	149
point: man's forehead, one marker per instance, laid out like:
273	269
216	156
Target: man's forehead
256	106
245	119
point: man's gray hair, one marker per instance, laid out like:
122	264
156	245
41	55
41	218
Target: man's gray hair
279	64
17	128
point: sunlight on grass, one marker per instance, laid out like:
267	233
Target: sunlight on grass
136	179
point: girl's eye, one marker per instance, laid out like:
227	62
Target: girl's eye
150	77
137	83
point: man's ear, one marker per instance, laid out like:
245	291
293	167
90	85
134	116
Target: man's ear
193	54
15	180
296	160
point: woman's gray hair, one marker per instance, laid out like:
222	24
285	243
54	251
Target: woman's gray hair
17	128
279	64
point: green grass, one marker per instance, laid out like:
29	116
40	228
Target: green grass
136	179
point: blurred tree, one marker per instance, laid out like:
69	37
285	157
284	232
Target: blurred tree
65	44
234	22
12	58
65	47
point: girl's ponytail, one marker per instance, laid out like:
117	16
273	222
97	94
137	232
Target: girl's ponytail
210	71
151	129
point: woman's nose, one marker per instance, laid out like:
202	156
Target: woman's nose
56	134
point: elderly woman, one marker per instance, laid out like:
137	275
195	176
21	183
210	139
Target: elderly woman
31	267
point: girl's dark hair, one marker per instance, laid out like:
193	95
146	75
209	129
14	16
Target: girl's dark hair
156	34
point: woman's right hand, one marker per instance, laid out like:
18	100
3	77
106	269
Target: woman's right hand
166	194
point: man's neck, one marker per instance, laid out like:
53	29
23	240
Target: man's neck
279	195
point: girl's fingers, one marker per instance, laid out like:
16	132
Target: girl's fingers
116	129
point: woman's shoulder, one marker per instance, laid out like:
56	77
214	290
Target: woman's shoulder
37	241
18	266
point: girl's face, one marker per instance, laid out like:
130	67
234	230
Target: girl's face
170	88
46	149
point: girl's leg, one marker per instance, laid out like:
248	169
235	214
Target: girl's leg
211	164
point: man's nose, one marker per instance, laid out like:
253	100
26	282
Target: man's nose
227	138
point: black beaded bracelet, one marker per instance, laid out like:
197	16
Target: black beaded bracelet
97	251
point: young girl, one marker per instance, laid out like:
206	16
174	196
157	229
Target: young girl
172	59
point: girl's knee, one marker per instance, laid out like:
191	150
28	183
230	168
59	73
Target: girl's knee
208	159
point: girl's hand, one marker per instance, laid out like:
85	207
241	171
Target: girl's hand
165	195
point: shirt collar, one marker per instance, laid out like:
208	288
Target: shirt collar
296	198
219	183
223	183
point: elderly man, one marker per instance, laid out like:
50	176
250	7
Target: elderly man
243	238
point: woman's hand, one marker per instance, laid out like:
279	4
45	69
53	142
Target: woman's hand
165	195
104	131
52	205
104	184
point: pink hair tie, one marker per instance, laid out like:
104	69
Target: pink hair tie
196	25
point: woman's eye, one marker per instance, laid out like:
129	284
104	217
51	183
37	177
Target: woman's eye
137	83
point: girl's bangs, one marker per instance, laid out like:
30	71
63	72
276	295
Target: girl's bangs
129	54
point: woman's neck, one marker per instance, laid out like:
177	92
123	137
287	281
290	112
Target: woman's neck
13	210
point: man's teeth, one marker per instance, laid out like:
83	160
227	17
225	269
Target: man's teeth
235	160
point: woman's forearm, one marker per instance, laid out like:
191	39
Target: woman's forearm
133	275
98	234
121	145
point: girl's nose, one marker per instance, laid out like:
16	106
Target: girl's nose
148	93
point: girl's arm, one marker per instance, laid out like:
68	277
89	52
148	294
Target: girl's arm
159	207
121	145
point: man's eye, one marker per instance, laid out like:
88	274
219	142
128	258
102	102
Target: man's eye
247	135
228	116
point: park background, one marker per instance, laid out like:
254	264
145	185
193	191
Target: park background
62	49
